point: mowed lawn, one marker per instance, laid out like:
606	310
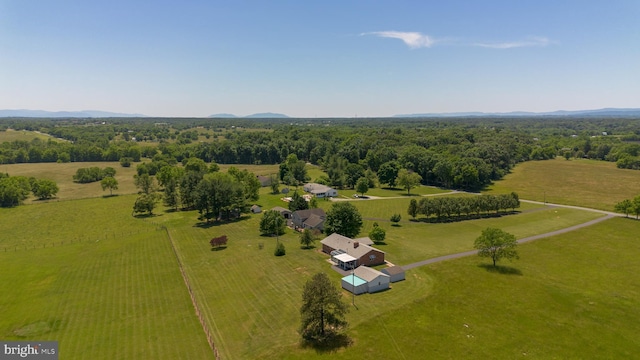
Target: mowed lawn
250	297
114	297
589	183
573	296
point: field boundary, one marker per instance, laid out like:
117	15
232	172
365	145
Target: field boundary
194	301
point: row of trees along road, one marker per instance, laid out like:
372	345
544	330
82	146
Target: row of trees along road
450	208
15	189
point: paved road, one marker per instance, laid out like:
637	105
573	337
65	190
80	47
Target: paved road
523	240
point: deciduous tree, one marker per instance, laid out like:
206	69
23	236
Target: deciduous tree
343	218
496	244
272	223
408	179
377	234
109	183
306	238
362	185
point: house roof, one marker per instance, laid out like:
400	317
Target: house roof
337	241
345	257
316	188
364	240
255	207
281	209
305	214
368	274
314	221
393	270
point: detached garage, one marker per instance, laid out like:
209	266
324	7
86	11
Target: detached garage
365	279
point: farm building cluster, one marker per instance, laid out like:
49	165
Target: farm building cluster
357	255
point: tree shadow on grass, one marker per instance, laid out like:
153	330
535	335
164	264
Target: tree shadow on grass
304	247
219	248
501	269
145	216
213	223
331	344
109	196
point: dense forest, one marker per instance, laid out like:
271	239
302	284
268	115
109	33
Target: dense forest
461	153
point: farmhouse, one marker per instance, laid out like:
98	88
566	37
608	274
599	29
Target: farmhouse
320	190
350	253
308	219
365	279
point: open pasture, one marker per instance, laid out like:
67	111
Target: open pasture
24	135
62	174
115	298
589	183
41	225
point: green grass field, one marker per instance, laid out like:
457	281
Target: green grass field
119	297
590	183
23	135
116	291
62	174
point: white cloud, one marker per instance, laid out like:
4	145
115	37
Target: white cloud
530	42
414	40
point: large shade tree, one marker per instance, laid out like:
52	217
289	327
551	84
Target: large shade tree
322	311
496	244
343	218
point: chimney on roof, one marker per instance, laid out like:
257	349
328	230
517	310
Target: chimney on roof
356	244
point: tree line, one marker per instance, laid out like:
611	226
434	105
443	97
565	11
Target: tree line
197	186
15	189
453	208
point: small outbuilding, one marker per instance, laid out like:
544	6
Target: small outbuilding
396	273
376	281
256	209
365	279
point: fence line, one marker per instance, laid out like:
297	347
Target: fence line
194	301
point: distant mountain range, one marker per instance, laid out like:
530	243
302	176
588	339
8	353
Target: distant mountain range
64	114
267	115
598	112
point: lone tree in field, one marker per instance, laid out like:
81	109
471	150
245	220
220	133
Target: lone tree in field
395	219
110	183
496	244
322	312
306	239
343	218
377	234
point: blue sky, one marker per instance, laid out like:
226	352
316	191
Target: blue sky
318	58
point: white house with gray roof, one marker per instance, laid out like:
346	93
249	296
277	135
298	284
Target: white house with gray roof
319	190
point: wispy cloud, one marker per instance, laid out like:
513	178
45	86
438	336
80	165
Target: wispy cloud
530	42
413	40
